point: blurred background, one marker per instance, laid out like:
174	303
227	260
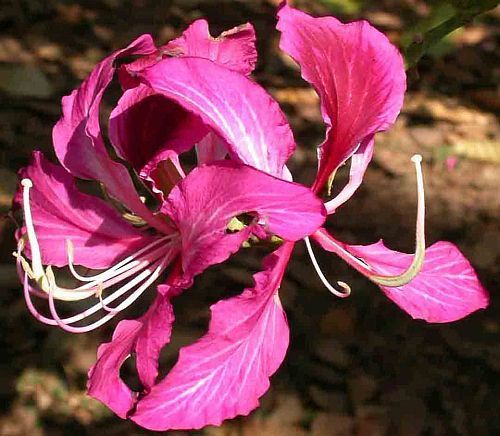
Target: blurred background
357	366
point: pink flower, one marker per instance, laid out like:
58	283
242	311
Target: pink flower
196	90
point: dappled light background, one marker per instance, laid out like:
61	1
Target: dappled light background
356	366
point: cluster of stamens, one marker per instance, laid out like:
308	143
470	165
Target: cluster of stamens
139	271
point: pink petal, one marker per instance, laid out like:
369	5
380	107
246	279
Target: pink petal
159	124
145	127
104	382
226	372
234	48
236	108
60	212
144	336
78	140
358	74
446	289
155	333
203	203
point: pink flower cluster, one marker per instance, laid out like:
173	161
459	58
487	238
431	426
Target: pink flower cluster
196	91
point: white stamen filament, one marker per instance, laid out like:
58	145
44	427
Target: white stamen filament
146	265
364	268
36	258
343	285
129	262
419	256
64	323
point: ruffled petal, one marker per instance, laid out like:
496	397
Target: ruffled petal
60	212
226	372
234	48
446	288
237	109
145	337
104	382
203	204
78	141
358	74
160	125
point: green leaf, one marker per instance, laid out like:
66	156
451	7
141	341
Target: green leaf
445	17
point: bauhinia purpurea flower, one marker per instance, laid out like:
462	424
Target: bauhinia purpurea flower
195	91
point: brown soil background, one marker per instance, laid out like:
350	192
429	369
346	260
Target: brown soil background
355	367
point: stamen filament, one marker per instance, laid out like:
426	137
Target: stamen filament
419	256
36	258
343	285
64	322
123	305
90	289
46	280
330	244
109	272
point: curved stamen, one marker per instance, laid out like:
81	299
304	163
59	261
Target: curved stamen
343	285
123	305
122	270
109	299
142	269
36	257
93	288
157	268
330	244
419	256
130	261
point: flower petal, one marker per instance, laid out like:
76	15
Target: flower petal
77	136
203	204
226	372
61	212
155	333
236	108
234	48
144	336
446	289
358	74
158	124
104	382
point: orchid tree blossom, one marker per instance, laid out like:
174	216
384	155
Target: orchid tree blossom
196	92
